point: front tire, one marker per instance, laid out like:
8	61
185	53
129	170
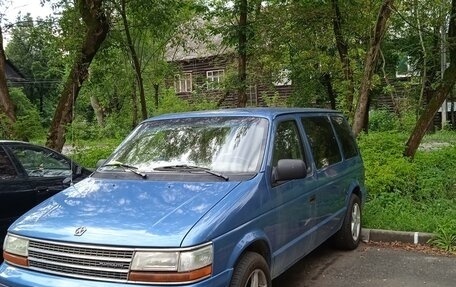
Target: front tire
349	235
251	271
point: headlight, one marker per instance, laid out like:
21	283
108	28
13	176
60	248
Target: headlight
186	265
16	245
195	259
15	250
155	261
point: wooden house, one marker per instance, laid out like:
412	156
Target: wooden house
209	69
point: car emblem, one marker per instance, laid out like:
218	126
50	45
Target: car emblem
80	231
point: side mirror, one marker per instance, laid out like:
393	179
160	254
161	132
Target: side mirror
78	170
288	169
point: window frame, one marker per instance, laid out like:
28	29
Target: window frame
183	82
45	153
213	82
303	147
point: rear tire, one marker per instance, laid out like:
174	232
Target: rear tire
251	271
349	235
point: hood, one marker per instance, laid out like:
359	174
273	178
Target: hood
123	212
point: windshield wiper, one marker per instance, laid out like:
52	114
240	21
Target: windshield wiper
128	167
190	168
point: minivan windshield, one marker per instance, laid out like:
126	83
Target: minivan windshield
222	144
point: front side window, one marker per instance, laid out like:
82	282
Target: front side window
183	83
287	142
223	144
214	79
7	170
322	140
39	162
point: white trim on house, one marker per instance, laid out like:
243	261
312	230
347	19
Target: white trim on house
214	78
183	82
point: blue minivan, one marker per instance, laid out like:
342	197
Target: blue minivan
216	198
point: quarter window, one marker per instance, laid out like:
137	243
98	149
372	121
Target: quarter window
7	170
287	143
345	136
322	140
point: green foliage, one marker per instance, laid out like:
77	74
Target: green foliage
5	127
446	237
171	103
382	121
407	195
27	125
88	153
34	50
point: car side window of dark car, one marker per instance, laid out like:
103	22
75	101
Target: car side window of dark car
287	142
41	162
345	136
322	140
7	170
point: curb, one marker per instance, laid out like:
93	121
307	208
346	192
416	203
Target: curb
395	236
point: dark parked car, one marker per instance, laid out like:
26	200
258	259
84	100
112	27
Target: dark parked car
30	174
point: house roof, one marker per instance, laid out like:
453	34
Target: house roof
192	48
196	41
12	73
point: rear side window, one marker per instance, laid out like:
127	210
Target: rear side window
287	143
344	134
322	140
7	170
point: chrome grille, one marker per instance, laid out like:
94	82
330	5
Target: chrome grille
100	263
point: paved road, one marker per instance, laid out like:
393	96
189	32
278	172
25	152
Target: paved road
370	266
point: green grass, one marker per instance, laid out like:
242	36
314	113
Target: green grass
411	195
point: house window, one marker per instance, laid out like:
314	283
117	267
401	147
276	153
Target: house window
183	83
214	78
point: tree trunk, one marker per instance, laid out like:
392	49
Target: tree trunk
6	105
325	80
135	60
156	95
369	65
242	54
134	102
342	48
440	94
98	110
97	28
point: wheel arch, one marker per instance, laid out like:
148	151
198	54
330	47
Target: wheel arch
254	242
355	188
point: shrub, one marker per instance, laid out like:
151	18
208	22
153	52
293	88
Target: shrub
28	123
382	120
89	153
409	195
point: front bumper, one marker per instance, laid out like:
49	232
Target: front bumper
11	276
